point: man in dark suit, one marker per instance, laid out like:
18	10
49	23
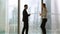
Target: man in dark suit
25	19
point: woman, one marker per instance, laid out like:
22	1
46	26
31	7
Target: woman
44	18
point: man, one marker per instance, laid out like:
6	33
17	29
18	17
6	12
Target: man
44	18
25	19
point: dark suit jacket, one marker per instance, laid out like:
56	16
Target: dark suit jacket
25	15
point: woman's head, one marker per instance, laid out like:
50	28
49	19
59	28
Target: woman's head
44	5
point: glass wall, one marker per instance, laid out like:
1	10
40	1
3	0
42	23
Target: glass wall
55	16
13	16
8	16
53	24
34	8
2	16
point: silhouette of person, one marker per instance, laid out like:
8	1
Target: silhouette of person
44	18
25	19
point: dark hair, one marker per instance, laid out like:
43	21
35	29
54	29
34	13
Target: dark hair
25	5
44	4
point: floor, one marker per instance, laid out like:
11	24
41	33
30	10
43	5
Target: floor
34	28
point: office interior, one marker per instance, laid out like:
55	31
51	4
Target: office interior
9	16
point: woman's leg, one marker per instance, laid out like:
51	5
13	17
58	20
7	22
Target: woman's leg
43	26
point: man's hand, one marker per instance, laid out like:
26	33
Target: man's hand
29	14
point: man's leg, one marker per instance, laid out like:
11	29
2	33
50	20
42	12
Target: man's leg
23	28
27	27
26	30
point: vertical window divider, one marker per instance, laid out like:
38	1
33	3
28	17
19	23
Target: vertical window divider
18	16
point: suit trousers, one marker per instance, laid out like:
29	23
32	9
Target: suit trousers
26	27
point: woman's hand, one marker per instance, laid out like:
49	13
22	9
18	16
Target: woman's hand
40	14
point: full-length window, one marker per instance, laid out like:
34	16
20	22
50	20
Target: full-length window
34	8
55	16
13	16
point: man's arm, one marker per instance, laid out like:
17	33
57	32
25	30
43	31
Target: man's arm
28	14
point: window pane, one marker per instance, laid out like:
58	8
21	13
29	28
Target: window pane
34	8
55	16
2	16
8	16
13	16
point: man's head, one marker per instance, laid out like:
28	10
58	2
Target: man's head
25	6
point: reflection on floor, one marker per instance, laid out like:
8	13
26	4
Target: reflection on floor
2	32
35	29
